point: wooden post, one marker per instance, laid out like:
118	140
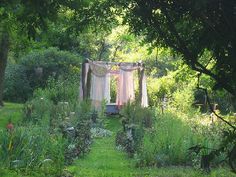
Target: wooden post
88	83
84	81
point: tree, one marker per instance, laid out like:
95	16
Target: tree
190	28
26	18
4	47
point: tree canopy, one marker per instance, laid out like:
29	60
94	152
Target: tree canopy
26	18
191	28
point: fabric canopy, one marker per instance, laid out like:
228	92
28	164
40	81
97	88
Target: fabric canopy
100	83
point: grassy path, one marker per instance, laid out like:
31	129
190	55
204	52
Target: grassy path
105	160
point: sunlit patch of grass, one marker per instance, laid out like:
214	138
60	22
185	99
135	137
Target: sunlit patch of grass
11	111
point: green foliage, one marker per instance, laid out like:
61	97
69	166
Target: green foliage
34	19
40	68
183	99
224	100
167	143
37	110
57	109
134	113
79	139
41	64
191	31
84	110
160	88
134	120
105	160
112	160
25	18
32	148
63	89
65	35
175	87
17	88
10	111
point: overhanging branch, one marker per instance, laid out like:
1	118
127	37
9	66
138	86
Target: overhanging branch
212	110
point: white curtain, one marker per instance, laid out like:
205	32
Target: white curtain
107	95
100	84
100	88
125	91
144	98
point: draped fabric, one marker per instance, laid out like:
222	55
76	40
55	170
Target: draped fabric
97	92
144	97
100	88
125	88
100	84
98	69
128	67
107	95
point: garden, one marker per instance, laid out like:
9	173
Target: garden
117	88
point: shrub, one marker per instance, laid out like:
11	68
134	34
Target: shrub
17	87
41	64
77	132
135	119
63	89
34	70
58	119
183	99
37	110
160	88
84	110
133	113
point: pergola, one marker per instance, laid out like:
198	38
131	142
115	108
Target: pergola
95	82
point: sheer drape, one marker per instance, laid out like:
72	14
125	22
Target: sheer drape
144	97
125	88
100	83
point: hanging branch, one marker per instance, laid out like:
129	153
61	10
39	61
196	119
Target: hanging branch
209	103
119	45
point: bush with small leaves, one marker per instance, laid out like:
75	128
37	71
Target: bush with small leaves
16	85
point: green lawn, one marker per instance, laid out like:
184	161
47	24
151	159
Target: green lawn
10	111
105	160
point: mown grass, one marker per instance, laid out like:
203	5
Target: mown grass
105	160
10	111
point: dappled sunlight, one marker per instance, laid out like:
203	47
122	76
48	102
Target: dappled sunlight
104	88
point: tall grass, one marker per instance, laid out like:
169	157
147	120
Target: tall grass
30	148
168	142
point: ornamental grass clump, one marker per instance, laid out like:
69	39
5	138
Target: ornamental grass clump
29	148
167	143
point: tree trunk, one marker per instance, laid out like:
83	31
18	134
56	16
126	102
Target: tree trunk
4	47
